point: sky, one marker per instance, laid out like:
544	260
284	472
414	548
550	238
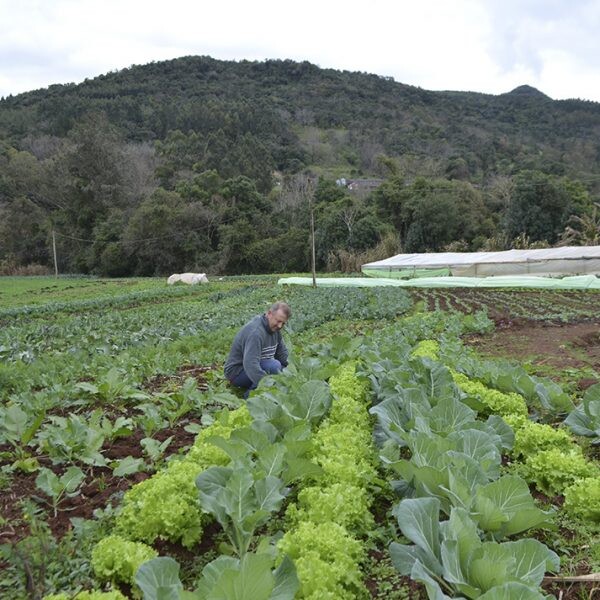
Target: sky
489	46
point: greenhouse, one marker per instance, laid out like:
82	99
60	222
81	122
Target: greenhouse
567	260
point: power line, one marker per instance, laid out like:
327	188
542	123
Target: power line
140	240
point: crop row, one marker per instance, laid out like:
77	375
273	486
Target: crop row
547	305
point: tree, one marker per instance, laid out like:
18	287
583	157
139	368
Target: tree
389	199
539	207
85	181
154	235
24	233
439	212
584	230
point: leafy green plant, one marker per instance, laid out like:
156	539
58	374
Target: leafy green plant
67	485
533	437
582	499
175	405
249	578
18	428
342	503
285	408
116	559
127	466
345	454
553	470
167	505
73	438
449	557
154	449
240	499
487	400
150	419
428	349
164	506
505	507
112	387
327	560
585	419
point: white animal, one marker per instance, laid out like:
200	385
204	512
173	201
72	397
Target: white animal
189	278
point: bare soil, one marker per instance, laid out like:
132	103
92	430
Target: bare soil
550	347
100	487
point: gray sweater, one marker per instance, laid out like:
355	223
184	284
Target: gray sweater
254	342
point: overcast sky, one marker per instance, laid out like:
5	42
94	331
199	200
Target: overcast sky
489	46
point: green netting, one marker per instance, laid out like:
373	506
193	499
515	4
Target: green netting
411	273
578	282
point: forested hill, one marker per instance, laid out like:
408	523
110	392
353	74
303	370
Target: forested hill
305	115
200	164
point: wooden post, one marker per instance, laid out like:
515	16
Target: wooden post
54	253
312	243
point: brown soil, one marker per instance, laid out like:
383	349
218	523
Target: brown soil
99	489
559	347
100	486
162	382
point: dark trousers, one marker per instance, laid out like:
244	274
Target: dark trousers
271	365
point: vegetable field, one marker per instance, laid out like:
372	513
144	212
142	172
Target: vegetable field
421	444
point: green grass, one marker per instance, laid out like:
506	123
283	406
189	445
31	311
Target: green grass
23	291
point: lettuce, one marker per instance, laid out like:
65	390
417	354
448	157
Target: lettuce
327	559
166	506
533	437
341	503
582	499
117	559
490	401
553	470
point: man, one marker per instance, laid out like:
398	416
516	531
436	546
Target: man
258	349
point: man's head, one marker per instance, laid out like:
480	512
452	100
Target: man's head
278	315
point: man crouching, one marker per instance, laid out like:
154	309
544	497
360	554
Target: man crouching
258	349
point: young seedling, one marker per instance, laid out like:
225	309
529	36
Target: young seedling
67	485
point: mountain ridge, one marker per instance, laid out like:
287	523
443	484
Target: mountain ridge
284	102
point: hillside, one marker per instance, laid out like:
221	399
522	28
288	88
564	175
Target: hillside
332	119
200	164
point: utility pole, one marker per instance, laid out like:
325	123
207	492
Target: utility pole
54	253
300	191
312	238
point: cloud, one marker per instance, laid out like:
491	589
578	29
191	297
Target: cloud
478	45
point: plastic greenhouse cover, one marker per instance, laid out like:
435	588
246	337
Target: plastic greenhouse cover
566	260
578	282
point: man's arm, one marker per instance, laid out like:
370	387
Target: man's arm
281	352
251	360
